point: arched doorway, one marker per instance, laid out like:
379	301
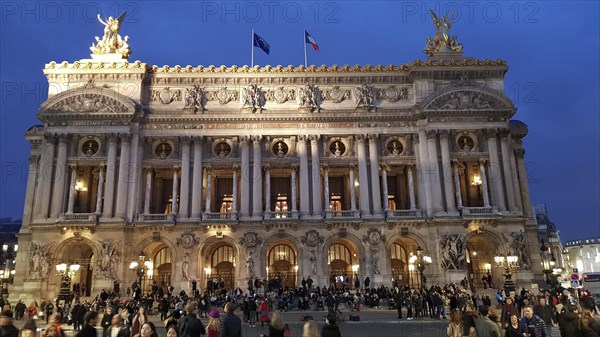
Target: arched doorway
221	273
480	252
402	255
343	264
162	263
282	265
79	253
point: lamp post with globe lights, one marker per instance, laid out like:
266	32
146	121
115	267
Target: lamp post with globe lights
420	261
66	273
7	267
508	262
142	266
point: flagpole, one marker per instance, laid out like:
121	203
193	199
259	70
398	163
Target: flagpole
304	43
252	47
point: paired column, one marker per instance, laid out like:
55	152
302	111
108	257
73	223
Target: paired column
208	190
375	184
326	188
304	181
352	189
257	182
175	190
317	208
384	187
508	178
484	184
100	192
457	185
267	192
123	182
245	197
197	180
42	202
60	172
363	178
520	154
423	171
71	202
185	178
495	170
234	201
148	195
434	172
294	193
111	169
447	171
411	188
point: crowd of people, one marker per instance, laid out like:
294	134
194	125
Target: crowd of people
524	313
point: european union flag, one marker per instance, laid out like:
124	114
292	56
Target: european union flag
261	43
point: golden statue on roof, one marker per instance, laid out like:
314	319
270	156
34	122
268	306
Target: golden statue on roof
442	42
111	42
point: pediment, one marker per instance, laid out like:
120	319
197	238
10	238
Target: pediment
89	101
467	99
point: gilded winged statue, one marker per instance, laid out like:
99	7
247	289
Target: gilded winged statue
111	41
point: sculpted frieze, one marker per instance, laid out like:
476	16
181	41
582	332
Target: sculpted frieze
165	95
466	100
280	95
90	102
335	94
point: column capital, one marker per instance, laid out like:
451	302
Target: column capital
490	133
114	137
256	139
325	167
63	138
314	138
504	132
520	153
482	161
372	137
444	133
125	137
73	166
430	133
185	140
415	138
50	137
360	138
198	139
385	167
302	138
34	157
294	167
244	140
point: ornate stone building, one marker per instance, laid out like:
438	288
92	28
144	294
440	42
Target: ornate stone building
288	172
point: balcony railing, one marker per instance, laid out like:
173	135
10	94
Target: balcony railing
341	214
278	215
479	211
80	217
219	216
405	213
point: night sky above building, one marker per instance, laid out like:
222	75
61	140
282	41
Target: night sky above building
552	49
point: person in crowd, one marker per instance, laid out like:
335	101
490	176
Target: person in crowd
311	329
190	325
468	318
508	310
590	327
546	313
172	331
50	331
485	326
54	320
90	319
138	321
569	322
512	329
117	328
213	329
264	313
252	311
20	310
330	329
7	329
29	328
148	330
531	325
277	326
455	327
231	325
106	319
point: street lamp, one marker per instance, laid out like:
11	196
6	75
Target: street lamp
80	187
141	266
66	273
419	262
508	262
548	266
7	270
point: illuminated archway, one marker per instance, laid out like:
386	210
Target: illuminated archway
403	271
282	265
343	264
221	273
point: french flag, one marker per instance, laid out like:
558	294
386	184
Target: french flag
309	39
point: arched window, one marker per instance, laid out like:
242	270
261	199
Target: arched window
162	268
338	251
282	252
223	254
399	253
282	265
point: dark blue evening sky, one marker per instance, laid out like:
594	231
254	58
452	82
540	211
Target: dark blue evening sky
551	47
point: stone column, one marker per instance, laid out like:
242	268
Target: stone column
352	188
447	171
326	189
508	178
520	155
234	201
42	202
207	208
135	175
294	193
375	183
457	186
484	185
174	209
58	191
434	171
516	184
122	184
100	193
197	180
423	173
384	187
148	195
111	169
304	181
317	208
411	188
72	184
495	170
267	192
363	178
185	178
245	183
30	190
257	182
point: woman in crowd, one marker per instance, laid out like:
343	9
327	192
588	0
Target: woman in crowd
138	321
172	331
148	330
264	312
590	327
29	328
213	329
311	329
512	329
277	327
50	331
455	327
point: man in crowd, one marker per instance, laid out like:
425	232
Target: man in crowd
7	329
546	313
231	325
90	320
531	325
117	329
190	325
485	326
